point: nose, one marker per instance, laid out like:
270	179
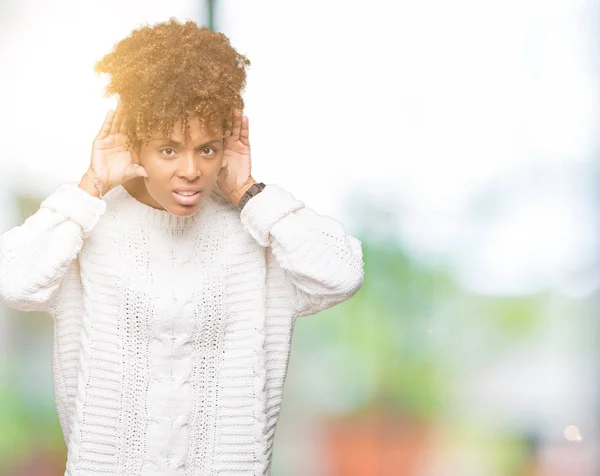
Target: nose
189	168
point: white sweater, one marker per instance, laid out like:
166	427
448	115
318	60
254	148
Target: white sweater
172	334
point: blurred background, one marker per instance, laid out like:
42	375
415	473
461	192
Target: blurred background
457	140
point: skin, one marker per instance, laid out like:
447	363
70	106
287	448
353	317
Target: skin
197	163
204	160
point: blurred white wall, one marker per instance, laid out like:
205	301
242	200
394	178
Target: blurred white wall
421	104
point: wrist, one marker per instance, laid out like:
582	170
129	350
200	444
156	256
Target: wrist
88	186
93	181
239	193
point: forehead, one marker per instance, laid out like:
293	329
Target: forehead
198	133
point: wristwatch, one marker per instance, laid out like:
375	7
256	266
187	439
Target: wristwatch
255	189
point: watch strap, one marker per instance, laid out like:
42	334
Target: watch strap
255	189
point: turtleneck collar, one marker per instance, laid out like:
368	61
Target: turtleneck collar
141	212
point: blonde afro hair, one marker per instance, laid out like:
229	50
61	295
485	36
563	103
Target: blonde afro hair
172	71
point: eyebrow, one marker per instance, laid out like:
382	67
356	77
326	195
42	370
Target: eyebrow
179	144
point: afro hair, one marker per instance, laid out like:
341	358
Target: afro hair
172	71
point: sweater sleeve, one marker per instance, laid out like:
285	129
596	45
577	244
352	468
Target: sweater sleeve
322	262
35	256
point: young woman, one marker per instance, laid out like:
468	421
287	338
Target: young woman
173	277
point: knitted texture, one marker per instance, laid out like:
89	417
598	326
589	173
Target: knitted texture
172	334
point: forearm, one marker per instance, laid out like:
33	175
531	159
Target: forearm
35	255
322	261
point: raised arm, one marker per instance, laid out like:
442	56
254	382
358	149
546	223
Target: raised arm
322	261
35	256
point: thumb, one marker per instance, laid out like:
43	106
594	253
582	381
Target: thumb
140	171
133	171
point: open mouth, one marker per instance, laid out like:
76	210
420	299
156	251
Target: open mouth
187	198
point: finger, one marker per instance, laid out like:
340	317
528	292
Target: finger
245	131
105	129
237	122
116	124
123	127
131	172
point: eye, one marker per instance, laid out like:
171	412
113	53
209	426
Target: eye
210	148
168	148
163	151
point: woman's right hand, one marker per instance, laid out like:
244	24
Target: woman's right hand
112	163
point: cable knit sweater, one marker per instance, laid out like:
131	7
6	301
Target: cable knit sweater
172	334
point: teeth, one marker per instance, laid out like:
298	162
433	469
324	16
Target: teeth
186	194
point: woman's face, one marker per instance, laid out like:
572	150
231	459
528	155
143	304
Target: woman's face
172	163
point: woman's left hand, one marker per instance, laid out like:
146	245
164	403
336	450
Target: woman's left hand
235	175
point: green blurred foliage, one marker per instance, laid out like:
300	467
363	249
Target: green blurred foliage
391	338
28	417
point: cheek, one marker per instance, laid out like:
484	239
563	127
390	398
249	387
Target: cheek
158	169
159	178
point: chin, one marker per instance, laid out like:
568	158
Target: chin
182	210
